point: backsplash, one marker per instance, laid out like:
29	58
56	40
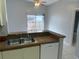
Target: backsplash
24	35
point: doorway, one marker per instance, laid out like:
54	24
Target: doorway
75	27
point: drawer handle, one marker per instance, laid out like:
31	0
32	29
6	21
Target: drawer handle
50	46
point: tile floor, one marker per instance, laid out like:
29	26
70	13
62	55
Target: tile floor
68	52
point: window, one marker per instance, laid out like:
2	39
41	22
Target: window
35	23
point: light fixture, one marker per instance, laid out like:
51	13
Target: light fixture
37	3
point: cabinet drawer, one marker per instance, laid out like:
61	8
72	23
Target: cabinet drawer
49	45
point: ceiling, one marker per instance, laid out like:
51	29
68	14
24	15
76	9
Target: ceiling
47	2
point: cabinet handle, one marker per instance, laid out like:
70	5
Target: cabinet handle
50	46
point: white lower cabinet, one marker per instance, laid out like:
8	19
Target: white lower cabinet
13	54
49	51
0	55
46	51
25	53
31	53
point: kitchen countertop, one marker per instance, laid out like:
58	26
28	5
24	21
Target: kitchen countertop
40	39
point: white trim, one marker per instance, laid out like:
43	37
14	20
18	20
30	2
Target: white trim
5	2
1	15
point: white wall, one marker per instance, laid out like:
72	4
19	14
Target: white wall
17	11
61	16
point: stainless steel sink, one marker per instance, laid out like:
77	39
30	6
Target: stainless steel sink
25	40
19	41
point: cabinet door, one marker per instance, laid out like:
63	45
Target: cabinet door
0	56
49	51
13	54
31	53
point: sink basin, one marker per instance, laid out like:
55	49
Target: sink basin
12	42
19	41
25	40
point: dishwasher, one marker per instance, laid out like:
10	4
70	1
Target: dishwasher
49	51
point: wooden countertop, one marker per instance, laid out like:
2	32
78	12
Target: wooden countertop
40	38
38	41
